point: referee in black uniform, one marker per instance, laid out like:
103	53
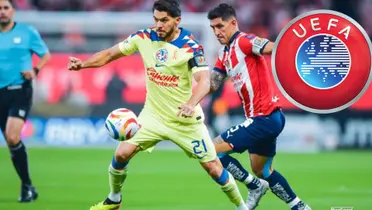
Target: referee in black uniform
18	42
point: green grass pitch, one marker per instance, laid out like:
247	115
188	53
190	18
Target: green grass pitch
74	179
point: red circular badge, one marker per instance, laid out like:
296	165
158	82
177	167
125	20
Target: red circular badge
322	61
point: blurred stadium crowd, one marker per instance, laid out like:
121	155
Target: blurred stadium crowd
263	17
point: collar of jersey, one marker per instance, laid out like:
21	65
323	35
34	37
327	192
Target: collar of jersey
227	47
234	37
15	23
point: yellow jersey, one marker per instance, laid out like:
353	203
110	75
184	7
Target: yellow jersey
169	69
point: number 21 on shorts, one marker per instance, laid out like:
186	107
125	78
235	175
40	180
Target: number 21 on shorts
199	147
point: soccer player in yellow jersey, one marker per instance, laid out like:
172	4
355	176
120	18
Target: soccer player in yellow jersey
172	57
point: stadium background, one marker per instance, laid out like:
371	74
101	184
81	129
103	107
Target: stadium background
322	154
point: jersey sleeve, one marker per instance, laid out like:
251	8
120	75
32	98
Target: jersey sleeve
130	44
250	44
38	45
198	62
218	66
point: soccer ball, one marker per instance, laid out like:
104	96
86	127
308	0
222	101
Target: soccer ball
122	124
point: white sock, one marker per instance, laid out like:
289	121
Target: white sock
294	202
116	197
252	182
249	179
242	207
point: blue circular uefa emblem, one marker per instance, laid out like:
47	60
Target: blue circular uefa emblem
323	61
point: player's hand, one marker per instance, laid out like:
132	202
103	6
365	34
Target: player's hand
29	75
75	64
186	110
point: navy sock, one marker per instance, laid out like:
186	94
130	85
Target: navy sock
239	173
119	166
280	187
20	162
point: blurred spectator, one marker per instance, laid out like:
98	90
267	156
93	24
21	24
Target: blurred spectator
262	17
365	8
23	4
73	39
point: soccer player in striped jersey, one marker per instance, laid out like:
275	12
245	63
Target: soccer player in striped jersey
241	59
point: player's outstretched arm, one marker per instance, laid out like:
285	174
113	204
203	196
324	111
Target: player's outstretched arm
103	57
97	60
216	79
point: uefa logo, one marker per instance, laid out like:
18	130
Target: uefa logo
322	61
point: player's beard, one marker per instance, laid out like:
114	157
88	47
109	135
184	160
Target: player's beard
4	22
167	35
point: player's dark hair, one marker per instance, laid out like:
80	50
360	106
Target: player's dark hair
10	1
170	6
223	11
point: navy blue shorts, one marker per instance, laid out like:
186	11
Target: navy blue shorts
15	101
257	135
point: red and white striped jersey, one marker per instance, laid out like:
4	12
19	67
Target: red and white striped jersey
243	63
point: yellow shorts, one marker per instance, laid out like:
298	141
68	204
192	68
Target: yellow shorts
194	139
